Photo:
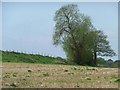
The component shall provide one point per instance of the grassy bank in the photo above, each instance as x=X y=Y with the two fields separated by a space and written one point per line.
x=30 y=58
x=18 y=57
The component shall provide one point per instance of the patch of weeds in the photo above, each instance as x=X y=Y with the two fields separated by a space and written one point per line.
x=77 y=86
x=88 y=78
x=6 y=76
x=38 y=70
x=87 y=68
x=60 y=81
x=46 y=74
x=70 y=73
x=98 y=76
x=118 y=80
x=66 y=70
x=40 y=82
x=8 y=61
x=94 y=69
x=81 y=70
x=75 y=68
x=105 y=77
x=7 y=84
x=7 y=73
x=13 y=85
x=24 y=79
x=28 y=75
x=29 y=70
x=82 y=81
x=14 y=74
x=45 y=86
x=114 y=76
x=110 y=81
x=27 y=67
x=39 y=75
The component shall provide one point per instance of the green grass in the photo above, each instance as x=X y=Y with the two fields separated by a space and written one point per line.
x=30 y=58
x=7 y=56
x=118 y=80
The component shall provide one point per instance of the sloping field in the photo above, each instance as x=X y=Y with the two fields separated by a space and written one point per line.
x=27 y=75
x=12 y=56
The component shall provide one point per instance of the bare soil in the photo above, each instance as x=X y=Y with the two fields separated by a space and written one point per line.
x=26 y=75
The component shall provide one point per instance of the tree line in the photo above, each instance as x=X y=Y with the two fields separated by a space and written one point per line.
x=81 y=41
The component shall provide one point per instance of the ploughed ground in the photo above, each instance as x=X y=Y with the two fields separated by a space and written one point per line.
x=28 y=75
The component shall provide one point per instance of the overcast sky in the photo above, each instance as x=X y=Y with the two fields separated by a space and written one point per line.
x=30 y=26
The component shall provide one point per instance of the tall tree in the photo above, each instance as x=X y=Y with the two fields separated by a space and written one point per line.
x=71 y=25
x=80 y=40
x=100 y=45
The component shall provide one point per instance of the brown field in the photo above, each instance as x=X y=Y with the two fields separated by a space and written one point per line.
x=24 y=75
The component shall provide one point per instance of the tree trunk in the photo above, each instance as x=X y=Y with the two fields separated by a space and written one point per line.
x=95 y=59
x=77 y=56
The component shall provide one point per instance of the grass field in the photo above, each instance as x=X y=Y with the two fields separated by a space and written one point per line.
x=27 y=75
x=18 y=57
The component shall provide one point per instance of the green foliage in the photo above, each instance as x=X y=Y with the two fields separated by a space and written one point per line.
x=13 y=85
x=107 y=63
x=16 y=57
x=62 y=18
x=88 y=78
x=29 y=70
x=118 y=81
x=101 y=44
x=80 y=40
x=29 y=58
x=32 y=58
x=101 y=61
x=65 y=70
x=46 y=74
x=14 y=74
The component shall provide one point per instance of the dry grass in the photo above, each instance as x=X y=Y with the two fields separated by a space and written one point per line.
x=57 y=76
